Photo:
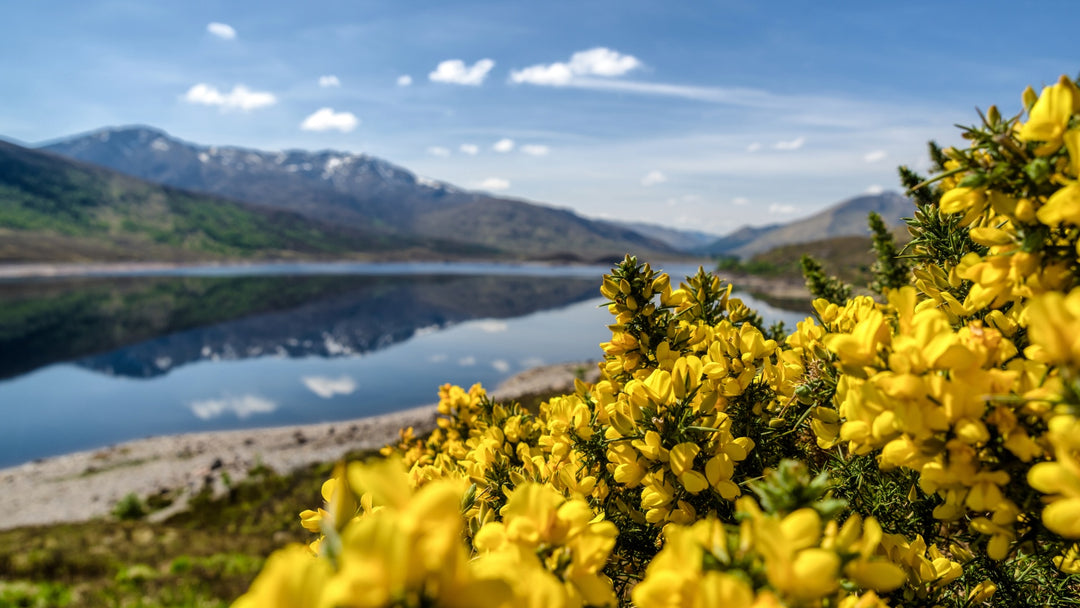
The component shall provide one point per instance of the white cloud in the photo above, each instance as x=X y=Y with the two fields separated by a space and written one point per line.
x=875 y=156
x=652 y=178
x=404 y=80
x=329 y=81
x=740 y=200
x=438 y=358
x=326 y=119
x=754 y=147
x=874 y=189
x=599 y=61
x=221 y=30
x=602 y=61
x=328 y=387
x=503 y=145
x=535 y=150
x=794 y=144
x=778 y=209
x=455 y=71
x=470 y=149
x=494 y=183
x=240 y=98
x=554 y=75
x=467 y=361
x=241 y=407
x=438 y=151
x=501 y=365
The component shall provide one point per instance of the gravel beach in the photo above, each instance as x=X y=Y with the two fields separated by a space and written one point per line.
x=86 y=485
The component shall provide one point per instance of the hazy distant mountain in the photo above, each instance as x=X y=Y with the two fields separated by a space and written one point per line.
x=354 y=190
x=681 y=240
x=56 y=209
x=846 y=218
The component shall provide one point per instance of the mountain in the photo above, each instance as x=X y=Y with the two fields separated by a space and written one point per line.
x=846 y=218
x=681 y=240
x=56 y=209
x=358 y=191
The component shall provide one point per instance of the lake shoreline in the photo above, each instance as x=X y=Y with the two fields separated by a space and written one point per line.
x=86 y=485
x=44 y=270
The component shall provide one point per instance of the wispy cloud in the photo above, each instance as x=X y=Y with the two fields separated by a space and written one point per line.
x=404 y=80
x=504 y=145
x=778 y=209
x=242 y=406
x=740 y=200
x=653 y=178
x=501 y=365
x=329 y=81
x=754 y=147
x=599 y=61
x=328 y=387
x=793 y=144
x=874 y=189
x=811 y=110
x=438 y=151
x=221 y=30
x=535 y=150
x=326 y=119
x=470 y=149
x=454 y=71
x=240 y=98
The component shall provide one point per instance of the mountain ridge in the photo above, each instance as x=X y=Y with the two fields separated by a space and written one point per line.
x=54 y=208
x=845 y=218
x=355 y=190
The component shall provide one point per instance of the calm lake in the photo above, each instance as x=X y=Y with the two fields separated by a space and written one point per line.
x=91 y=361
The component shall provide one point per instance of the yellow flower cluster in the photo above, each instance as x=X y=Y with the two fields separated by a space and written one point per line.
x=969 y=377
x=394 y=546
x=673 y=481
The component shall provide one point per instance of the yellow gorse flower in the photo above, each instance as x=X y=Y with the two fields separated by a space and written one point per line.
x=949 y=410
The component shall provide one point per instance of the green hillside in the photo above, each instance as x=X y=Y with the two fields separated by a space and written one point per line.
x=53 y=209
x=846 y=257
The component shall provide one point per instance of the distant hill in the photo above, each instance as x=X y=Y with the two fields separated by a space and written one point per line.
x=56 y=209
x=846 y=218
x=357 y=191
x=681 y=240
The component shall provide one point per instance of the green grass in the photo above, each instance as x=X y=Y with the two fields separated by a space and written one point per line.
x=205 y=556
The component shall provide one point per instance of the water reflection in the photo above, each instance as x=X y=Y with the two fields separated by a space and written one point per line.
x=89 y=362
x=146 y=327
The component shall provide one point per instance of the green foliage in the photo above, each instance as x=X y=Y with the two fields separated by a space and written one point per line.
x=130 y=507
x=21 y=594
x=889 y=270
x=822 y=285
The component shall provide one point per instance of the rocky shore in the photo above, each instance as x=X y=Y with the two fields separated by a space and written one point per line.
x=86 y=485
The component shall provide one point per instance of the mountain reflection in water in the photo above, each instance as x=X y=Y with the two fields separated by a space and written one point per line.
x=145 y=327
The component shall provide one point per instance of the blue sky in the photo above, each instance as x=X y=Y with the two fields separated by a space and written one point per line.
x=705 y=115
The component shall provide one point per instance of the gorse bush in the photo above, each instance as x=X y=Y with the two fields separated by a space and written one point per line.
x=918 y=450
